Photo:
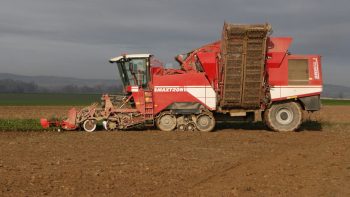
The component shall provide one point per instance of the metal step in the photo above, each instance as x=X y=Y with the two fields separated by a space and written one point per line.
x=149 y=109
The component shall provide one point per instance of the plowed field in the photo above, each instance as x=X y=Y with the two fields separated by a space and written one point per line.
x=236 y=160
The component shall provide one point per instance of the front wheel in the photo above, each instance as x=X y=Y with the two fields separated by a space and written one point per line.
x=283 y=117
x=89 y=125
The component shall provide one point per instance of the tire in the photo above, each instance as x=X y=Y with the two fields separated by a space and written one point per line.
x=166 y=122
x=205 y=122
x=283 y=117
x=89 y=125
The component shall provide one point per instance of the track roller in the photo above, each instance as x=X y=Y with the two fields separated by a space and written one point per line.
x=111 y=125
x=190 y=127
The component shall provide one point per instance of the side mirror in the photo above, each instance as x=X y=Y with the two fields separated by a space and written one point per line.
x=179 y=59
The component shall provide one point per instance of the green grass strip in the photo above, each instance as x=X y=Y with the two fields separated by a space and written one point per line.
x=335 y=102
x=20 y=125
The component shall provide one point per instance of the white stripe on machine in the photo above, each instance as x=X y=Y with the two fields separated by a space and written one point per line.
x=205 y=94
x=289 y=91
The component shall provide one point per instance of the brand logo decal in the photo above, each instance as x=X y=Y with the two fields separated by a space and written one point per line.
x=169 y=89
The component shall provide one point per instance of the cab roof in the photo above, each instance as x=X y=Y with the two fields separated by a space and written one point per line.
x=115 y=59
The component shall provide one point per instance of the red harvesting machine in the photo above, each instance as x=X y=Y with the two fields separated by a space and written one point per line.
x=247 y=75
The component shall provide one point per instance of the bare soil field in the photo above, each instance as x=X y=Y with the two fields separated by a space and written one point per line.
x=244 y=161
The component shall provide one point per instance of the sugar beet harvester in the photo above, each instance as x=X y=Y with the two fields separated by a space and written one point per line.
x=247 y=75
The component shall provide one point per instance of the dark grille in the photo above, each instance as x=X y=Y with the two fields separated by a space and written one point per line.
x=298 y=72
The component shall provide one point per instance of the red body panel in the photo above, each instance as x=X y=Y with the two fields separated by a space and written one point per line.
x=210 y=66
x=173 y=88
x=277 y=51
x=278 y=76
x=208 y=58
x=277 y=63
x=139 y=100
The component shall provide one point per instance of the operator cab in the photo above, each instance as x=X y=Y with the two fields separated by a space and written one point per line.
x=134 y=70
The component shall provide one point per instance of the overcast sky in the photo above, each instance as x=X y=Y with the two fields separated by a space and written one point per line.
x=76 y=38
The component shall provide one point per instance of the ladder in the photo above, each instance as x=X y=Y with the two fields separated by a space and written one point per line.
x=148 y=115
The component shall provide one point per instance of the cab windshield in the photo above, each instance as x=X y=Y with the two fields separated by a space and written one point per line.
x=134 y=72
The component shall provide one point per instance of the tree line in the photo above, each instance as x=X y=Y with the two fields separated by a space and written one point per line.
x=16 y=86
